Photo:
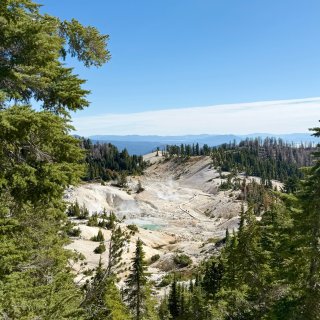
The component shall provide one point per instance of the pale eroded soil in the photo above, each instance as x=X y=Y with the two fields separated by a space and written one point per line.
x=181 y=201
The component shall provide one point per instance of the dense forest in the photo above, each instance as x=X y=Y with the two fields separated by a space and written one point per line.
x=187 y=150
x=105 y=162
x=269 y=269
x=270 y=159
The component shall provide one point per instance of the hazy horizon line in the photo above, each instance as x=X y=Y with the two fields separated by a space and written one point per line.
x=200 y=134
x=281 y=116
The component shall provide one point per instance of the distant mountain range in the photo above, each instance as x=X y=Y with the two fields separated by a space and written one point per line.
x=140 y=145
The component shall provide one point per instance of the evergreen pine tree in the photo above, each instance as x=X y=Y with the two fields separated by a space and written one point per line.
x=38 y=157
x=213 y=273
x=116 y=245
x=174 y=299
x=137 y=292
x=164 y=313
x=307 y=233
x=103 y=300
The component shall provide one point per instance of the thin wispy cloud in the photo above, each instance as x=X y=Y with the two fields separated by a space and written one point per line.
x=284 y=116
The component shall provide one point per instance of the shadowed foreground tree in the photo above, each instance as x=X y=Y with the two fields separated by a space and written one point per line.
x=102 y=298
x=31 y=47
x=307 y=231
x=138 y=292
x=39 y=158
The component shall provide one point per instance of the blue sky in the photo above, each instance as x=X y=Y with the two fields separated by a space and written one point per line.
x=170 y=54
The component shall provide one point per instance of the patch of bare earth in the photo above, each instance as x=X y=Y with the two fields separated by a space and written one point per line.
x=180 y=210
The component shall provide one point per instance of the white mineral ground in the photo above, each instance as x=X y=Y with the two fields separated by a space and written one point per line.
x=180 y=210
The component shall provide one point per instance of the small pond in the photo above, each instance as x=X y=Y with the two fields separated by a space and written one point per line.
x=145 y=224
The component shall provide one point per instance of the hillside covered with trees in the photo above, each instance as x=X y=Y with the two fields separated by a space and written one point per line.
x=104 y=161
x=270 y=158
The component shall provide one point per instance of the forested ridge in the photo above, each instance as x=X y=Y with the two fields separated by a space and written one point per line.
x=269 y=159
x=269 y=269
x=104 y=161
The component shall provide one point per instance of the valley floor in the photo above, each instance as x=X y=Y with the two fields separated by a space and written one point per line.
x=180 y=210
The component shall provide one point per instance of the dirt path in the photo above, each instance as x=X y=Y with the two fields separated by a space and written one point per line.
x=191 y=212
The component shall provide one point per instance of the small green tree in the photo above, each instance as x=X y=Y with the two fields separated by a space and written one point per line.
x=102 y=295
x=174 y=299
x=116 y=244
x=137 y=292
x=111 y=221
x=212 y=279
x=122 y=179
x=164 y=313
x=103 y=299
x=99 y=237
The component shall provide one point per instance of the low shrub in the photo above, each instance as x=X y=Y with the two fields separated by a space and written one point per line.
x=182 y=260
x=100 y=249
x=75 y=232
x=133 y=228
x=155 y=258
